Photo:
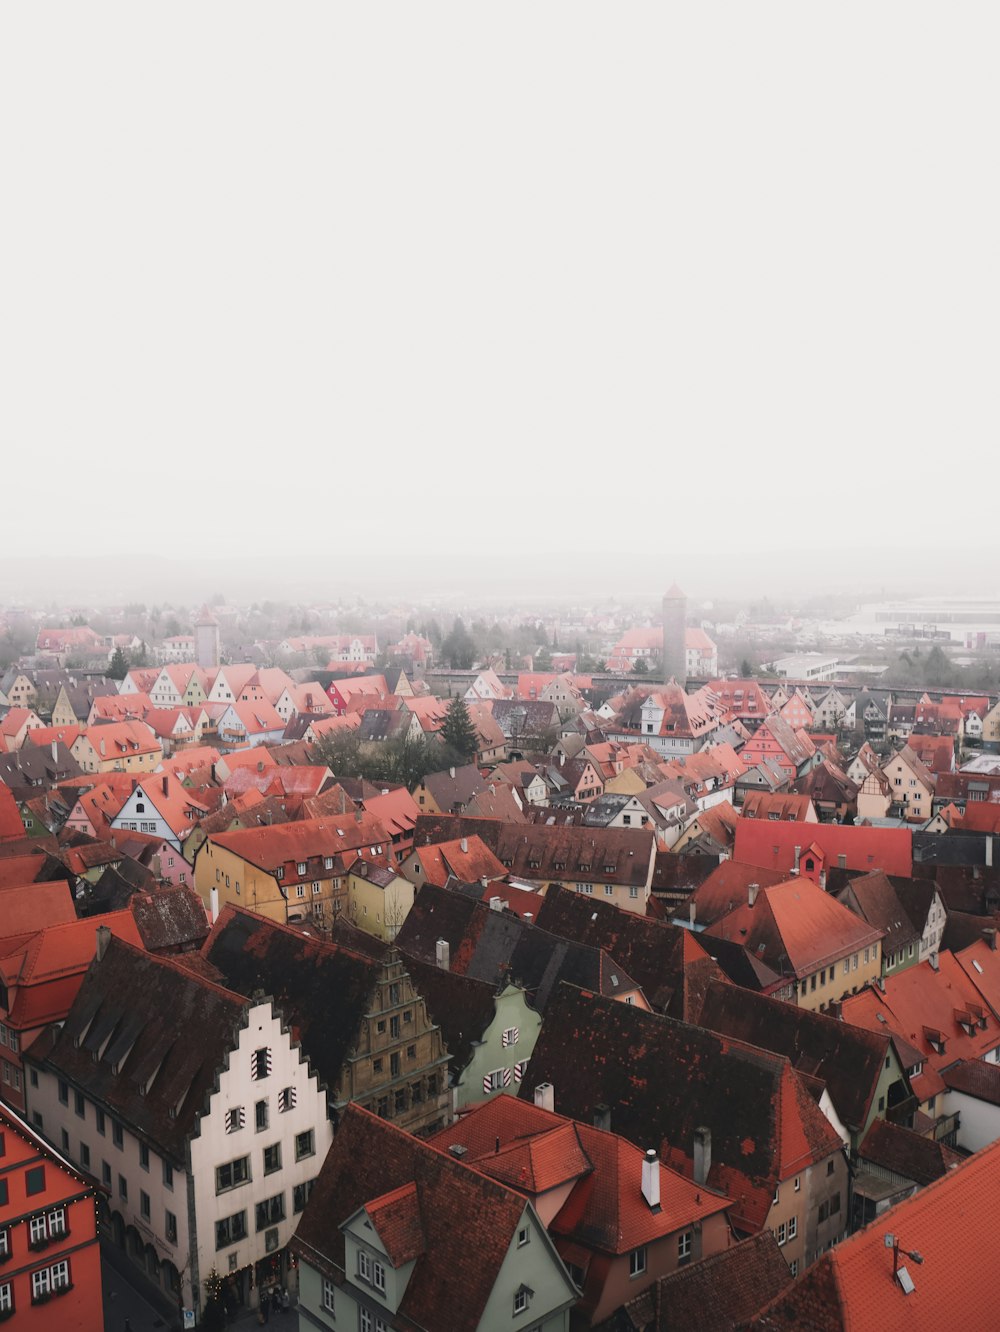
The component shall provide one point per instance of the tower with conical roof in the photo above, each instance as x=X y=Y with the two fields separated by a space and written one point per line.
x=206 y=640
x=674 y=652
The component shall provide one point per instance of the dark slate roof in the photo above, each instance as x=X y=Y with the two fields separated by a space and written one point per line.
x=468 y=1221
x=848 y=1059
x=742 y=966
x=907 y=1153
x=678 y=876
x=523 y=720
x=543 y=852
x=667 y=961
x=454 y=787
x=462 y=1007
x=144 y=1011
x=664 y=1079
x=976 y=1078
x=31 y=769
x=874 y=898
x=716 y=1295
x=499 y=946
x=321 y=989
x=170 y=918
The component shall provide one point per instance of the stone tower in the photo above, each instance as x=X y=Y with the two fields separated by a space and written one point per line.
x=674 y=653
x=206 y=640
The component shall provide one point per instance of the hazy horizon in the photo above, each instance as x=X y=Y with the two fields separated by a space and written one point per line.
x=565 y=297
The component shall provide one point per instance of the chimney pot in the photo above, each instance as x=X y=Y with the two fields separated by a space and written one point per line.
x=545 y=1096
x=651 y=1179
x=702 y=1154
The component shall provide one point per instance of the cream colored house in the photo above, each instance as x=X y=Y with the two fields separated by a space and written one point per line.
x=378 y=899
x=991 y=726
x=128 y=746
x=911 y=785
x=874 y=796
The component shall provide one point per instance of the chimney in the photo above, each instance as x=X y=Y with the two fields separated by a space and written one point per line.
x=451 y=772
x=213 y=774
x=990 y=935
x=989 y=852
x=702 y=1154
x=602 y=1118
x=103 y=939
x=465 y=846
x=822 y=879
x=752 y=890
x=795 y=866
x=495 y=904
x=651 y=1179
x=55 y=751
x=165 y=788
x=545 y=1096
x=215 y=905
x=692 y=913
x=528 y=918
x=442 y=954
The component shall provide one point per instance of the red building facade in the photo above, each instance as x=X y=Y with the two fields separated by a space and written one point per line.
x=50 y=1260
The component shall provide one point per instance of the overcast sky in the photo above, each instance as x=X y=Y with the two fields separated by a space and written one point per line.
x=704 y=287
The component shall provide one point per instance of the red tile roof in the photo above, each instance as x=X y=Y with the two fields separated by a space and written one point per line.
x=269 y=847
x=11 y=826
x=923 y=1005
x=795 y=927
x=951 y=1224
x=772 y=845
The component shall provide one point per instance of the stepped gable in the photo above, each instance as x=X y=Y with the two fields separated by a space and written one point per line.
x=322 y=990
x=127 y=1041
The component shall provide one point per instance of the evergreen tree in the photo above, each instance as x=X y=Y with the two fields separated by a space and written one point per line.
x=118 y=666
x=457 y=731
x=458 y=649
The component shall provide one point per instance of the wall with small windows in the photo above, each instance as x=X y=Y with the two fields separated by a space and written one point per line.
x=50 y=1267
x=258 y=1148
x=146 y=1189
x=498 y=1064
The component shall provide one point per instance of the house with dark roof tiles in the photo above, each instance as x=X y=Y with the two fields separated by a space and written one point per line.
x=400 y=1233
x=206 y=1147
x=727 y=1115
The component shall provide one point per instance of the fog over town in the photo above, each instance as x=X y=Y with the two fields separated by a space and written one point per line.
x=499 y=667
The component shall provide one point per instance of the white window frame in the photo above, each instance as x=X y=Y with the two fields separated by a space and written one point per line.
x=637 y=1261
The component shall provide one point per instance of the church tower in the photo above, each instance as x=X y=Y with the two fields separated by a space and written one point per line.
x=674 y=652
